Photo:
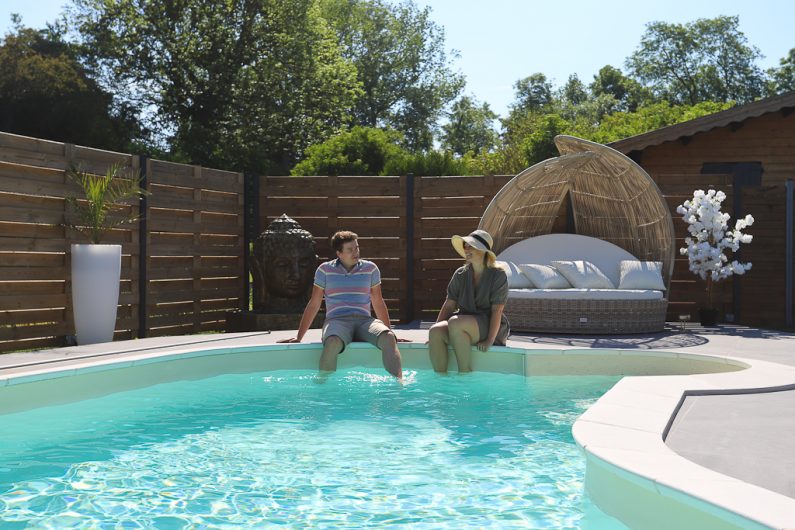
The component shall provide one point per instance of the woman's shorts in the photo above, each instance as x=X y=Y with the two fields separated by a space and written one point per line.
x=483 y=328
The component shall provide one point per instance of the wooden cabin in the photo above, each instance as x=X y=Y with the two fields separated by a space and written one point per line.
x=748 y=152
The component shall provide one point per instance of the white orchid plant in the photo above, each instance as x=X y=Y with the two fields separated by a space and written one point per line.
x=710 y=238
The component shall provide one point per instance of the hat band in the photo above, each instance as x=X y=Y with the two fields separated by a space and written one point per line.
x=488 y=247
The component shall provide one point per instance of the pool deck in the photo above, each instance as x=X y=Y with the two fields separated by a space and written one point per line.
x=747 y=436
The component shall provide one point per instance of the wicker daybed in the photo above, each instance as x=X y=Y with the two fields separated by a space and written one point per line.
x=578 y=310
x=594 y=191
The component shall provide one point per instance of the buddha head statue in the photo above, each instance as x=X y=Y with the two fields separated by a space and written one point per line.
x=284 y=267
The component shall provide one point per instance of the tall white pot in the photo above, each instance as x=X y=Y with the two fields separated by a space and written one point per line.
x=96 y=270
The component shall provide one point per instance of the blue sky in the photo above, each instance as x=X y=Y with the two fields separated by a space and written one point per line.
x=501 y=41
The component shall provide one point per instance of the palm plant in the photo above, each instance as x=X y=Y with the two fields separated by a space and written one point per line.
x=101 y=197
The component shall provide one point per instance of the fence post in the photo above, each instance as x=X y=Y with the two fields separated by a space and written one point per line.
x=250 y=228
x=744 y=174
x=410 y=247
x=788 y=254
x=143 y=252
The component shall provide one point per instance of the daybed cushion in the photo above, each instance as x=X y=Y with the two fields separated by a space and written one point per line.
x=583 y=274
x=544 y=276
x=558 y=247
x=516 y=280
x=587 y=294
x=641 y=275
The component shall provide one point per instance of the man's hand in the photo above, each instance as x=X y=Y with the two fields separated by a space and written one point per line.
x=398 y=339
x=290 y=340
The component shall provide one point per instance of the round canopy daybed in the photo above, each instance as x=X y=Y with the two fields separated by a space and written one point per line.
x=591 y=190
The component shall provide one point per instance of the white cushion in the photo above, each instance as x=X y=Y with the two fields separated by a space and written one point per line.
x=587 y=294
x=544 y=276
x=641 y=275
x=516 y=280
x=551 y=247
x=583 y=274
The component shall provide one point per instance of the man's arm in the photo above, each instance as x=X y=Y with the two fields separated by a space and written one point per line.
x=379 y=306
x=310 y=312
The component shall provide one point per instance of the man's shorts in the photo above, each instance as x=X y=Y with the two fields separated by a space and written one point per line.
x=351 y=328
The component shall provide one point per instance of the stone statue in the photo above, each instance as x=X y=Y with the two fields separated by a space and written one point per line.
x=284 y=267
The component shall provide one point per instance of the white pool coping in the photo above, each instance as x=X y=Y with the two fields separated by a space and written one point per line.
x=629 y=466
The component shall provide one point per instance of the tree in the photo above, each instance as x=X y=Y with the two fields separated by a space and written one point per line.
x=534 y=96
x=427 y=164
x=401 y=63
x=244 y=84
x=470 y=127
x=45 y=92
x=705 y=60
x=574 y=91
x=625 y=124
x=360 y=151
x=627 y=92
x=783 y=78
x=532 y=93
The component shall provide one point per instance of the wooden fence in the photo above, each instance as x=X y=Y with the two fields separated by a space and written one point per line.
x=189 y=260
x=188 y=252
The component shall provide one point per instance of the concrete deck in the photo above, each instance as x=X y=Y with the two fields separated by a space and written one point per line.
x=747 y=436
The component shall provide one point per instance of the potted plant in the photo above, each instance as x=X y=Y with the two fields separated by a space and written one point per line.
x=710 y=238
x=96 y=268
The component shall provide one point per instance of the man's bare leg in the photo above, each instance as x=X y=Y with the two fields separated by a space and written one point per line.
x=332 y=347
x=390 y=354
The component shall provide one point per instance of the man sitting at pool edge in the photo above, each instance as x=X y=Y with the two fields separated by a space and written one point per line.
x=350 y=285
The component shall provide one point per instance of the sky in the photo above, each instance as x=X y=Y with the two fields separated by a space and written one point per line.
x=501 y=41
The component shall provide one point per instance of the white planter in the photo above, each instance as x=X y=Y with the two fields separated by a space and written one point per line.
x=96 y=270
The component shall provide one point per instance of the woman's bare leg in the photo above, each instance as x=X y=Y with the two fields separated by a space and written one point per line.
x=464 y=332
x=438 y=339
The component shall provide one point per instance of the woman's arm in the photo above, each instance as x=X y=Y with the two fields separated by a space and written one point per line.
x=448 y=308
x=494 y=327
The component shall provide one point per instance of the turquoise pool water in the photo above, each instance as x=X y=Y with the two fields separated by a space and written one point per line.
x=286 y=448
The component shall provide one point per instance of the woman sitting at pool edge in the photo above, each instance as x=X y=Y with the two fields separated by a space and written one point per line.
x=473 y=310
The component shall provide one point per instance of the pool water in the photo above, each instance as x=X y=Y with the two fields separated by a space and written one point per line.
x=288 y=448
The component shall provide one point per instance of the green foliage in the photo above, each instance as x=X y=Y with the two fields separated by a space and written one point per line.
x=360 y=151
x=45 y=92
x=401 y=63
x=627 y=92
x=533 y=93
x=574 y=91
x=469 y=129
x=705 y=60
x=427 y=164
x=100 y=197
x=625 y=124
x=244 y=85
x=782 y=79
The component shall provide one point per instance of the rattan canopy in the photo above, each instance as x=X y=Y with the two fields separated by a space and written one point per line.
x=610 y=196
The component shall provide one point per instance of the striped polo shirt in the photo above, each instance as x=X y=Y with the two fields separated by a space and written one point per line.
x=347 y=293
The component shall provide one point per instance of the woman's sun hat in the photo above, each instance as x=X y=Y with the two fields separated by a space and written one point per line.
x=479 y=239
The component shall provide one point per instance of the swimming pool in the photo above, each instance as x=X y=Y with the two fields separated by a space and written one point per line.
x=288 y=448
x=630 y=472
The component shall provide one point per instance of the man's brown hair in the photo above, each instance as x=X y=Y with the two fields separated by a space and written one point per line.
x=342 y=237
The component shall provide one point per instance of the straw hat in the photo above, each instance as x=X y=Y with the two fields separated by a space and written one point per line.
x=479 y=239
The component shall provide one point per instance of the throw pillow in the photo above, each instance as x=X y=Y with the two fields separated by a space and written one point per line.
x=641 y=275
x=544 y=276
x=583 y=274
x=516 y=280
